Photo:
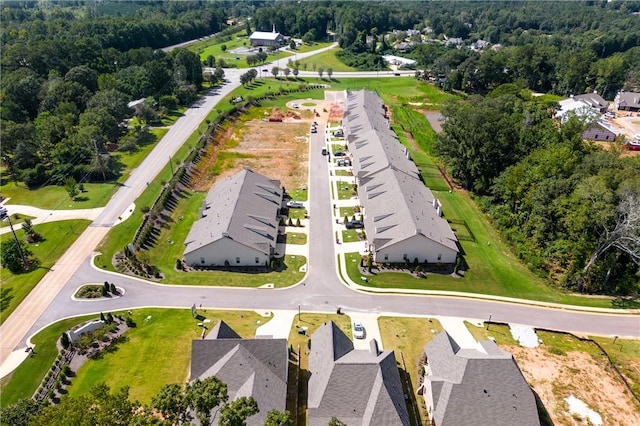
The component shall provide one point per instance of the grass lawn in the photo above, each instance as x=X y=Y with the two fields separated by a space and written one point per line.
x=296 y=238
x=408 y=336
x=350 y=236
x=347 y=211
x=58 y=237
x=500 y=333
x=296 y=340
x=345 y=190
x=25 y=379
x=311 y=47
x=214 y=48
x=625 y=354
x=157 y=351
x=53 y=197
x=342 y=173
x=324 y=60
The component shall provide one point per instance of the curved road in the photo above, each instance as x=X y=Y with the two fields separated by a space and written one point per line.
x=322 y=290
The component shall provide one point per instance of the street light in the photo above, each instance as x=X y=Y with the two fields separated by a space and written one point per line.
x=489 y=321
x=298 y=312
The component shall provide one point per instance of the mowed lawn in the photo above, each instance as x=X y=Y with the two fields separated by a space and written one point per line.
x=58 y=238
x=324 y=60
x=25 y=379
x=157 y=351
x=95 y=194
x=407 y=337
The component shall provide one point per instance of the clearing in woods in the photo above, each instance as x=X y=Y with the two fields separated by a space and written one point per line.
x=279 y=150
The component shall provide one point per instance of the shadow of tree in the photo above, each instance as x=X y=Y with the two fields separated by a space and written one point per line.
x=5 y=298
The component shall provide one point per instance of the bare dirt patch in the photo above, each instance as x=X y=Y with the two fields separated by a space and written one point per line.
x=587 y=377
x=279 y=150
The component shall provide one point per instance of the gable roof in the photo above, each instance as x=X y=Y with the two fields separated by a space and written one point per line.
x=249 y=367
x=265 y=35
x=222 y=331
x=359 y=387
x=628 y=99
x=483 y=385
x=397 y=203
x=593 y=100
x=243 y=207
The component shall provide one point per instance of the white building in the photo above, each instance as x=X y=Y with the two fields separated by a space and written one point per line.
x=238 y=223
x=403 y=220
x=264 y=38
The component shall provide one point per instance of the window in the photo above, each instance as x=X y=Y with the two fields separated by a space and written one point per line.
x=404 y=256
x=439 y=257
x=202 y=260
x=237 y=260
x=257 y=260
x=386 y=256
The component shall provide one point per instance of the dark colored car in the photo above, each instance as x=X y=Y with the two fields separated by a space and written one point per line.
x=339 y=154
x=353 y=224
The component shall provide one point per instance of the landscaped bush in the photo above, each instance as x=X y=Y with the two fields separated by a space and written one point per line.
x=90 y=292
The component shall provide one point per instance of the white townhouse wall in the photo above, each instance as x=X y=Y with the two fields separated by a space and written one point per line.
x=403 y=220
x=238 y=222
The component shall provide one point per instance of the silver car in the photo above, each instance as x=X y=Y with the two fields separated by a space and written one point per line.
x=358 y=330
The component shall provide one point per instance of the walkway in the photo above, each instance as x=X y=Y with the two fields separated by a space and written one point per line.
x=45 y=216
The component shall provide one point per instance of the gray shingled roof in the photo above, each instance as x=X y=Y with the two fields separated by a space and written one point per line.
x=593 y=100
x=249 y=367
x=243 y=207
x=359 y=387
x=398 y=205
x=629 y=99
x=477 y=387
x=222 y=331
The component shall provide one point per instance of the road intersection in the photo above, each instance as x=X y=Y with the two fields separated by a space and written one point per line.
x=323 y=288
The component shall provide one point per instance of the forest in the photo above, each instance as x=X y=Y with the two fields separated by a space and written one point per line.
x=570 y=209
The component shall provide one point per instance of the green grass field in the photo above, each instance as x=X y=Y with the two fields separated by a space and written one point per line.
x=409 y=336
x=25 y=379
x=325 y=60
x=58 y=238
x=53 y=197
x=157 y=351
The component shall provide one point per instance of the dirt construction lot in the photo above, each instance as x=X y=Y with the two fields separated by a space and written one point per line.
x=279 y=150
x=585 y=376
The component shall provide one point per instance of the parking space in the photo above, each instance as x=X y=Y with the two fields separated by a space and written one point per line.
x=371 y=330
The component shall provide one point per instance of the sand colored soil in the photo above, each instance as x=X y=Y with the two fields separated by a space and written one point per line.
x=279 y=150
x=587 y=377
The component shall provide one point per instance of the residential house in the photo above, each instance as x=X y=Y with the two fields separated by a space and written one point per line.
x=359 y=387
x=265 y=38
x=627 y=101
x=238 y=222
x=403 y=219
x=468 y=387
x=599 y=133
x=255 y=368
x=594 y=101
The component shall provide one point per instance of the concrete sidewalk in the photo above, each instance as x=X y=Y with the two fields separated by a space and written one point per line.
x=46 y=216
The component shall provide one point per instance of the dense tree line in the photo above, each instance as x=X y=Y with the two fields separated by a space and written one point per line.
x=70 y=70
x=173 y=405
x=570 y=209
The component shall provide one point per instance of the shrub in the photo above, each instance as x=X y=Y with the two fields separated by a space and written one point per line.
x=130 y=322
x=64 y=340
x=556 y=351
x=290 y=222
x=114 y=290
x=298 y=222
x=66 y=370
x=51 y=394
x=178 y=264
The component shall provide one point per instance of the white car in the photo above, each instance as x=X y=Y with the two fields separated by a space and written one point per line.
x=295 y=105
x=295 y=204
x=358 y=330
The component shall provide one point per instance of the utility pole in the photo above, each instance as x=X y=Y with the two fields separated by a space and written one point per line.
x=15 y=238
x=171 y=164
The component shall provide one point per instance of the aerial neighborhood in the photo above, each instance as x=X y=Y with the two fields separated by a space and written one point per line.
x=320 y=213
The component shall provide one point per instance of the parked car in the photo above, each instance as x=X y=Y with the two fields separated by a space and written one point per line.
x=339 y=154
x=3 y=213
x=295 y=204
x=341 y=163
x=338 y=133
x=353 y=224
x=294 y=105
x=324 y=151
x=358 y=330
x=610 y=114
x=314 y=130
